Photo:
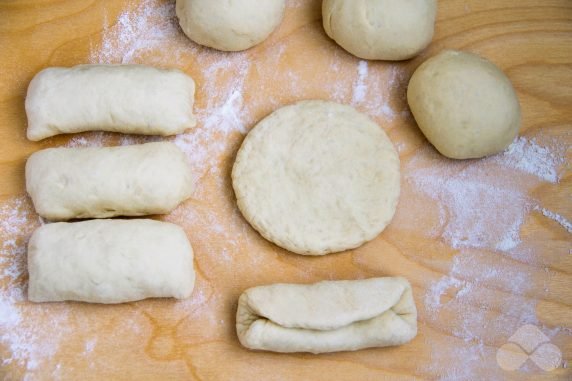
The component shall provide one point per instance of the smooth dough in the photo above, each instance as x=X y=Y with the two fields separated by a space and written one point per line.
x=67 y=183
x=329 y=316
x=132 y=99
x=109 y=261
x=380 y=29
x=464 y=104
x=229 y=25
x=317 y=177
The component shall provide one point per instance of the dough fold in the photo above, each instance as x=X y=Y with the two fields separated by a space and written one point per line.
x=133 y=99
x=329 y=316
x=109 y=261
x=97 y=182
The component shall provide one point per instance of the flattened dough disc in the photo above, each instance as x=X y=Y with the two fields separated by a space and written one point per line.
x=317 y=177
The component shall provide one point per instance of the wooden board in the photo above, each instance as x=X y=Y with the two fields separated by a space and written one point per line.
x=486 y=243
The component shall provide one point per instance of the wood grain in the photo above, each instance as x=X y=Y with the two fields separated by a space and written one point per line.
x=163 y=339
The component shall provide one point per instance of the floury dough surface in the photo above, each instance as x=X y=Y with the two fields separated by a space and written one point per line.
x=329 y=316
x=317 y=177
x=66 y=183
x=464 y=104
x=380 y=29
x=229 y=25
x=133 y=99
x=109 y=261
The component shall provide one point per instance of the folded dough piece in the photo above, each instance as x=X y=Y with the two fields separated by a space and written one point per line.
x=133 y=99
x=99 y=182
x=329 y=316
x=109 y=261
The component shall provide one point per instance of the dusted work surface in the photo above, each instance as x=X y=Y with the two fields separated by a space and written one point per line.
x=486 y=243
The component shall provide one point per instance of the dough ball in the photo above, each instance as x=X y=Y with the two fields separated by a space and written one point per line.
x=229 y=25
x=464 y=104
x=380 y=29
x=317 y=177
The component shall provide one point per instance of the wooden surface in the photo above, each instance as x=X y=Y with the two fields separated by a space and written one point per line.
x=195 y=339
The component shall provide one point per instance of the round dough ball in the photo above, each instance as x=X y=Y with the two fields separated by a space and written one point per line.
x=464 y=104
x=380 y=29
x=317 y=177
x=229 y=25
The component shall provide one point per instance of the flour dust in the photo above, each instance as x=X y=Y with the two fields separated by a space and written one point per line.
x=483 y=205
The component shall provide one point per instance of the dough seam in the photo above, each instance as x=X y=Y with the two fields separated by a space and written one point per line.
x=328 y=316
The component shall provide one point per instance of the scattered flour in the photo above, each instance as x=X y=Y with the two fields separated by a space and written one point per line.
x=528 y=156
x=95 y=140
x=360 y=86
x=483 y=205
x=224 y=113
x=90 y=346
x=468 y=202
x=28 y=342
x=555 y=217
x=484 y=304
x=371 y=90
x=143 y=28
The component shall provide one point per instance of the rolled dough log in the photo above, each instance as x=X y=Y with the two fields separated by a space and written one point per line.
x=328 y=316
x=109 y=261
x=67 y=183
x=133 y=99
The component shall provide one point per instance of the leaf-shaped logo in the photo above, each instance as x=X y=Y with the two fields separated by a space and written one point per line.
x=528 y=342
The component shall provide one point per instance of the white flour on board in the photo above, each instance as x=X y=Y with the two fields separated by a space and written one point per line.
x=483 y=206
x=470 y=196
x=145 y=27
x=360 y=87
x=370 y=91
x=555 y=217
x=95 y=140
x=532 y=158
x=28 y=342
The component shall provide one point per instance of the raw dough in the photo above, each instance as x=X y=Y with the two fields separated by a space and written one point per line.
x=328 y=316
x=67 y=183
x=464 y=104
x=133 y=99
x=229 y=25
x=109 y=261
x=317 y=177
x=380 y=29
